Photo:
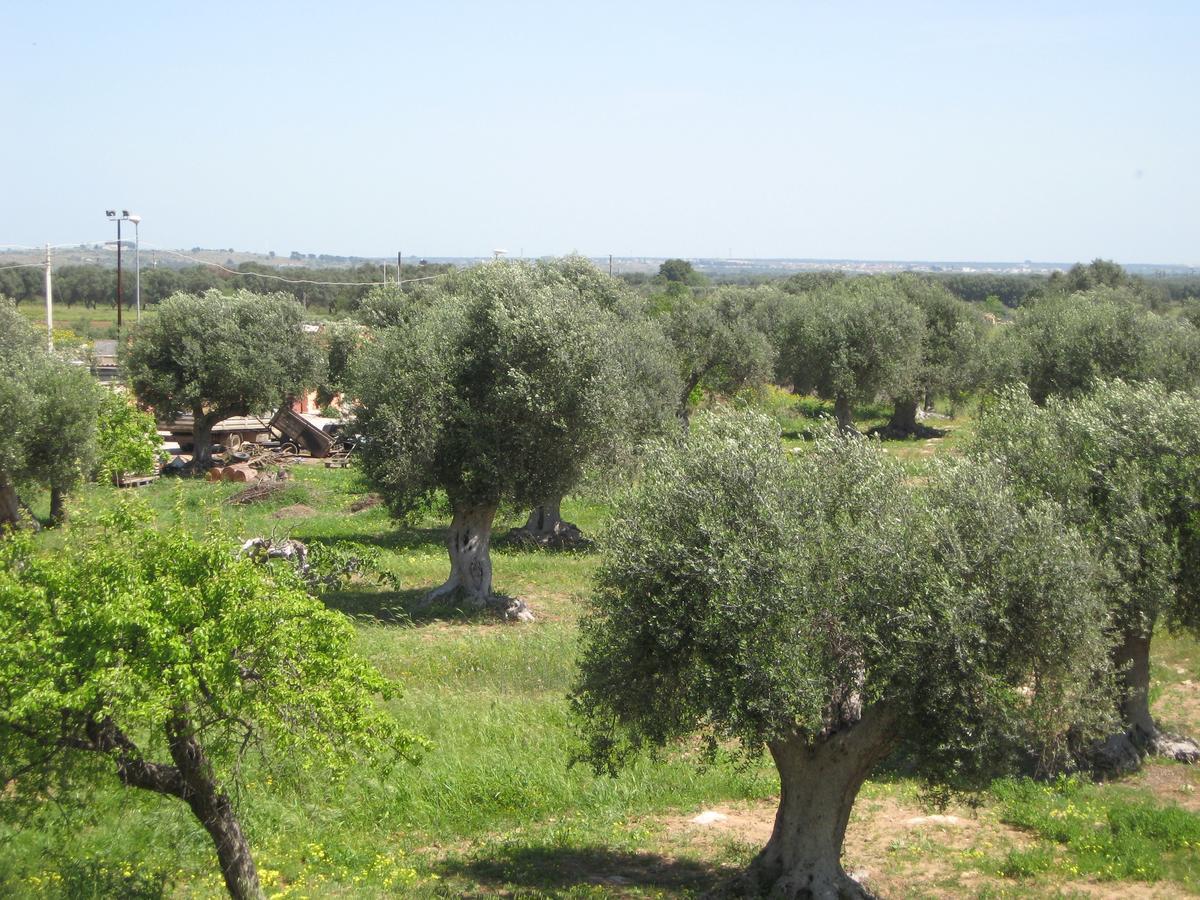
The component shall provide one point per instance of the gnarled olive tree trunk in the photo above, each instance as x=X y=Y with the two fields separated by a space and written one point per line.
x=819 y=781
x=202 y=446
x=58 y=505
x=904 y=417
x=547 y=528
x=843 y=413
x=10 y=503
x=469 y=543
x=685 y=413
x=1132 y=658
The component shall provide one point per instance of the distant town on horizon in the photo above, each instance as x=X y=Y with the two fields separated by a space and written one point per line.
x=105 y=255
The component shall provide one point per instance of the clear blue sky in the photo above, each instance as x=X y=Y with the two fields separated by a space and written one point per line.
x=990 y=131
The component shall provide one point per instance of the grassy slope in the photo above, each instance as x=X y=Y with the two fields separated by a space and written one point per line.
x=496 y=807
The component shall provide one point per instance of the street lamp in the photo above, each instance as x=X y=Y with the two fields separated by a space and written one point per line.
x=126 y=217
x=137 y=264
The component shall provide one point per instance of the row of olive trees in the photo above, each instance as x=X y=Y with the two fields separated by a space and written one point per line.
x=906 y=339
x=503 y=384
x=825 y=608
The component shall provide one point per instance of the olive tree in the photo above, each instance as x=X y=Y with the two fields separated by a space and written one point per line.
x=48 y=408
x=495 y=392
x=828 y=610
x=643 y=402
x=1124 y=462
x=719 y=342
x=61 y=447
x=218 y=355
x=951 y=345
x=852 y=342
x=162 y=660
x=1062 y=343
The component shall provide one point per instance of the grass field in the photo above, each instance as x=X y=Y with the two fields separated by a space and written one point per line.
x=496 y=808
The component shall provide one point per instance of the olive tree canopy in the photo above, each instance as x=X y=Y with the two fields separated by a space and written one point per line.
x=852 y=342
x=497 y=390
x=644 y=401
x=218 y=355
x=1124 y=464
x=951 y=352
x=719 y=340
x=1063 y=343
x=826 y=609
x=48 y=407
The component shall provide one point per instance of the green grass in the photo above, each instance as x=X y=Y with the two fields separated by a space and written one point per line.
x=1106 y=832
x=491 y=698
x=799 y=418
x=496 y=805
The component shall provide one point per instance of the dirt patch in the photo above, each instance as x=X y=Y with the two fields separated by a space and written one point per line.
x=363 y=503
x=295 y=511
x=1178 y=707
x=900 y=849
x=256 y=493
x=1169 y=783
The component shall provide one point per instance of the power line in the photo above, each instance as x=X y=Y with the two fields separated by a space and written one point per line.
x=291 y=280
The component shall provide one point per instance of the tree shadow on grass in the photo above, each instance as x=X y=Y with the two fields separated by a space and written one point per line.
x=397 y=540
x=560 y=868
x=405 y=607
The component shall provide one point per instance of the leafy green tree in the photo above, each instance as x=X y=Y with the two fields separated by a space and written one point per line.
x=719 y=342
x=127 y=438
x=496 y=393
x=163 y=660
x=1097 y=273
x=1063 y=343
x=809 y=282
x=340 y=340
x=1124 y=463
x=61 y=447
x=951 y=345
x=853 y=342
x=679 y=270
x=220 y=355
x=48 y=407
x=828 y=610
x=18 y=345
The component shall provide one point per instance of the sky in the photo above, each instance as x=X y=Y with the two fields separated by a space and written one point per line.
x=909 y=131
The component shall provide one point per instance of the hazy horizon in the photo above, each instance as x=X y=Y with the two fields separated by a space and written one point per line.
x=933 y=132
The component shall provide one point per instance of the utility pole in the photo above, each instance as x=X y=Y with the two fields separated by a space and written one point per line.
x=49 y=305
x=399 y=267
x=119 y=292
x=610 y=265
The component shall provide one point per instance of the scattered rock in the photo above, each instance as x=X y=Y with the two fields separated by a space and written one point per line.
x=562 y=536
x=512 y=609
x=1175 y=747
